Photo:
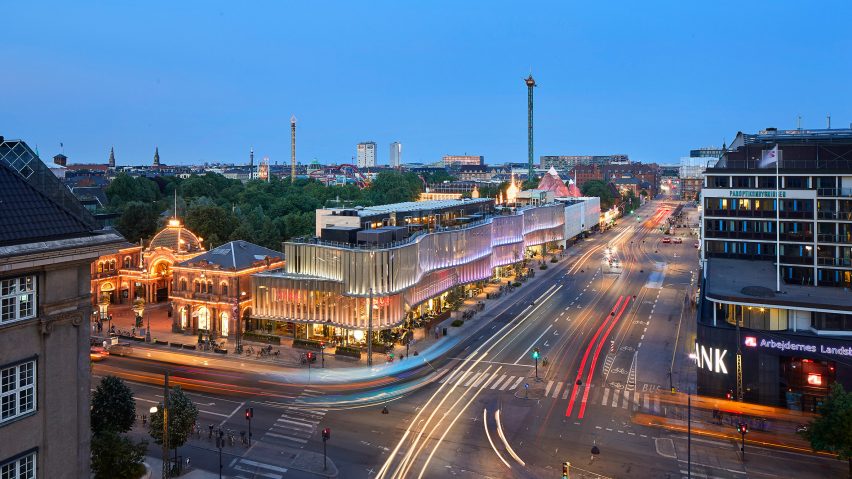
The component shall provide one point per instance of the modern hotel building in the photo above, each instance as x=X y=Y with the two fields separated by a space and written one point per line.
x=400 y=258
x=791 y=320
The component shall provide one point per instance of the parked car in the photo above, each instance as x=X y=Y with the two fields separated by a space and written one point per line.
x=678 y=240
x=696 y=244
x=667 y=240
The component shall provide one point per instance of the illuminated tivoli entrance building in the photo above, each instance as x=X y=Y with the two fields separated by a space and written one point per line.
x=404 y=259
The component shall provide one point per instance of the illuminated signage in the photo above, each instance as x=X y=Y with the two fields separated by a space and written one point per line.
x=711 y=359
x=814 y=379
x=751 y=341
x=756 y=194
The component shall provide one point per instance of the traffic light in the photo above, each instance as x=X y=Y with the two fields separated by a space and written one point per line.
x=249 y=413
x=326 y=434
x=536 y=353
x=742 y=428
x=729 y=395
x=310 y=356
x=565 y=466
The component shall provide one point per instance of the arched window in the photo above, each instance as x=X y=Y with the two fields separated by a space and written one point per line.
x=210 y=287
x=127 y=262
x=183 y=284
x=197 y=286
x=224 y=289
x=100 y=266
x=112 y=265
x=203 y=318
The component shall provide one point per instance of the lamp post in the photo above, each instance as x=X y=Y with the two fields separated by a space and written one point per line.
x=139 y=309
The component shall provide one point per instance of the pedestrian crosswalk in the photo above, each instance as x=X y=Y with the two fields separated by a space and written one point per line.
x=253 y=469
x=556 y=390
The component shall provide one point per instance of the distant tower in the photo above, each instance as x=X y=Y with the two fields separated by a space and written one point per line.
x=263 y=171
x=530 y=85
x=111 y=161
x=293 y=149
x=251 y=163
x=395 y=154
x=156 y=157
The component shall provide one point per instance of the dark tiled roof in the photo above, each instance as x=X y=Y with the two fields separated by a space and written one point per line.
x=27 y=215
x=235 y=256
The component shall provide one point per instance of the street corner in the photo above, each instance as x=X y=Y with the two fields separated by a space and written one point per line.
x=314 y=463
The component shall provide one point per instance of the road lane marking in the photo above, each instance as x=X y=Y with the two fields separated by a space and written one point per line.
x=615 y=395
x=288 y=438
x=297 y=423
x=624 y=400
x=647 y=406
x=636 y=400
x=605 y=397
x=481 y=378
x=515 y=386
x=497 y=382
x=547 y=388
x=470 y=381
x=556 y=389
x=567 y=391
x=524 y=354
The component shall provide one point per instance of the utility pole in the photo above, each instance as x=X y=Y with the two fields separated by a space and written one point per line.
x=249 y=415
x=220 y=443
x=239 y=320
x=530 y=85
x=166 y=468
x=370 y=331
x=326 y=435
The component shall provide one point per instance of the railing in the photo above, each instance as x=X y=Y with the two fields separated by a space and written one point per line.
x=834 y=215
x=840 y=262
x=809 y=260
x=836 y=192
x=831 y=238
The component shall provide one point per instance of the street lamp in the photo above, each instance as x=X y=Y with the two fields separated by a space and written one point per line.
x=103 y=305
x=139 y=309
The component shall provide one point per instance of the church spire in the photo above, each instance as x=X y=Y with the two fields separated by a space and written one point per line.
x=156 y=157
x=111 y=161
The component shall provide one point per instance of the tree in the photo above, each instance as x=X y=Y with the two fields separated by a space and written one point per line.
x=832 y=430
x=598 y=188
x=113 y=406
x=137 y=220
x=116 y=456
x=182 y=417
x=211 y=222
x=437 y=175
x=394 y=187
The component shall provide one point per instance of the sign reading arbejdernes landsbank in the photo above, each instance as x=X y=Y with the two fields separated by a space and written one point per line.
x=756 y=194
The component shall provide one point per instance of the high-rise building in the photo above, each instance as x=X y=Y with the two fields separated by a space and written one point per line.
x=366 y=154
x=565 y=163
x=395 y=154
x=46 y=249
x=777 y=268
x=463 y=160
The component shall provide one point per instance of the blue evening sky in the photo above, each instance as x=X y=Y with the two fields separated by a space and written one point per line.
x=206 y=80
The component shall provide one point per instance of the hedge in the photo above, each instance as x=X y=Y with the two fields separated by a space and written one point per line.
x=307 y=344
x=347 y=351
x=457 y=323
x=262 y=338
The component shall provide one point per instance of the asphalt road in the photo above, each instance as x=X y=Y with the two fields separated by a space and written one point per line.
x=609 y=336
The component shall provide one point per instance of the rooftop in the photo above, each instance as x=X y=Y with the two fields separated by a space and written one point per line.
x=754 y=282
x=235 y=256
x=409 y=206
x=771 y=135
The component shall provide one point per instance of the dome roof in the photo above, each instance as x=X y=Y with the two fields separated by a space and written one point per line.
x=176 y=238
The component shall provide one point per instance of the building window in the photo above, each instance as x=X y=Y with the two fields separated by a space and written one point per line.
x=183 y=284
x=127 y=262
x=17 y=298
x=224 y=288
x=20 y=468
x=17 y=390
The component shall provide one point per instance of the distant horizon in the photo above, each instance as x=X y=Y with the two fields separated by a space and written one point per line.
x=206 y=82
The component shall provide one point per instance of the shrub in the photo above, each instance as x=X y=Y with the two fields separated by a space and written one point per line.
x=347 y=351
x=543 y=266
x=516 y=284
x=553 y=260
x=117 y=456
x=307 y=344
x=457 y=323
x=262 y=338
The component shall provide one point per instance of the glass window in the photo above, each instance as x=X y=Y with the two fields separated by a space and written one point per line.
x=17 y=299
x=17 y=391
x=21 y=468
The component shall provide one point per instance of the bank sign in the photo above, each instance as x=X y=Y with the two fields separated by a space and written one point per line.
x=794 y=346
x=756 y=194
x=711 y=359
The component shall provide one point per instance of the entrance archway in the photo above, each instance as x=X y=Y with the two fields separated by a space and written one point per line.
x=184 y=317
x=204 y=318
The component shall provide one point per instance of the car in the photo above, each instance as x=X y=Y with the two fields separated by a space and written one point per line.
x=667 y=240
x=98 y=353
x=678 y=240
x=696 y=244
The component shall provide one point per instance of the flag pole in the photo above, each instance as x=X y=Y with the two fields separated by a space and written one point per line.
x=777 y=222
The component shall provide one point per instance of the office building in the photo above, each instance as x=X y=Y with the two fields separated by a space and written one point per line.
x=565 y=163
x=366 y=157
x=463 y=160
x=395 y=159
x=691 y=170
x=47 y=243
x=777 y=268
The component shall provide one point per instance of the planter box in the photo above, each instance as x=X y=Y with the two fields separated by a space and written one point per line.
x=262 y=338
x=157 y=341
x=306 y=344
x=220 y=351
x=176 y=345
x=348 y=352
x=190 y=346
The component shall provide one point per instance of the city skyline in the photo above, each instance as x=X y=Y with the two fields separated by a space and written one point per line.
x=206 y=85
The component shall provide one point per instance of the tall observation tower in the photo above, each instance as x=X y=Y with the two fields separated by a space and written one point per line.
x=530 y=85
x=293 y=149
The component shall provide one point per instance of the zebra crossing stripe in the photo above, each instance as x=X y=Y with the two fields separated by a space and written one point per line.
x=556 y=390
x=472 y=379
x=624 y=399
x=615 y=395
x=566 y=393
x=635 y=400
x=482 y=378
x=605 y=396
x=547 y=389
x=450 y=377
x=497 y=382
x=657 y=405
x=288 y=438
x=507 y=383
x=515 y=386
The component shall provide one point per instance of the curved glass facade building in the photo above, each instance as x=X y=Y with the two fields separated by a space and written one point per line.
x=331 y=283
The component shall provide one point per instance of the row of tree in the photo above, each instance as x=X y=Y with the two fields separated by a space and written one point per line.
x=263 y=212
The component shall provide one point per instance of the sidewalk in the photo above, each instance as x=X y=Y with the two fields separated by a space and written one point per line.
x=287 y=367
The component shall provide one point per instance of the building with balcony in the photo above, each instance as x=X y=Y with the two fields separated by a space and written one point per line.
x=211 y=292
x=47 y=243
x=394 y=263
x=778 y=265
